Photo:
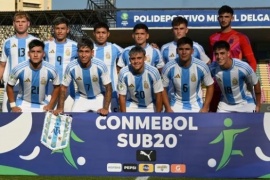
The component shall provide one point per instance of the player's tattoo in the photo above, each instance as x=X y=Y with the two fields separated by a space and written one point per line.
x=62 y=97
x=108 y=95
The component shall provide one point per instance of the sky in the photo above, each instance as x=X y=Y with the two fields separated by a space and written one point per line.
x=82 y=4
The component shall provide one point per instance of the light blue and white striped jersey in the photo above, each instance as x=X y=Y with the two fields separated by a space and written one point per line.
x=60 y=54
x=236 y=83
x=169 y=52
x=33 y=83
x=140 y=89
x=153 y=57
x=109 y=55
x=14 y=51
x=187 y=81
x=91 y=80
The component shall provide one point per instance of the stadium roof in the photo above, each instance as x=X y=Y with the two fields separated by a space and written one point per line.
x=85 y=17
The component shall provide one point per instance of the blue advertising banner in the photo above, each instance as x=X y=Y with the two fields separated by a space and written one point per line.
x=141 y=144
x=195 y=17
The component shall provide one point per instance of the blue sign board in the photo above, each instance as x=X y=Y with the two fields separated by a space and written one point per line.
x=141 y=144
x=195 y=17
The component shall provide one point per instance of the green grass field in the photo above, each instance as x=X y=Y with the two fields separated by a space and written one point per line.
x=98 y=178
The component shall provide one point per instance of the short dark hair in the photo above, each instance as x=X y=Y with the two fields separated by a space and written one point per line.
x=184 y=40
x=35 y=43
x=85 y=42
x=225 y=9
x=221 y=45
x=60 y=20
x=136 y=49
x=101 y=25
x=140 y=26
x=179 y=20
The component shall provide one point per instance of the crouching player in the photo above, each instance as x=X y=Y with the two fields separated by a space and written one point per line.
x=93 y=80
x=139 y=85
x=34 y=76
x=239 y=84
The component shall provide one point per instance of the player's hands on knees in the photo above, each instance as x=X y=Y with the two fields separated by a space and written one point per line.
x=57 y=112
x=103 y=112
x=16 y=109
x=257 y=109
x=168 y=110
x=46 y=108
x=204 y=110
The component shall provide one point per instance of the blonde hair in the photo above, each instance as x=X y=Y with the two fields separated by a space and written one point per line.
x=21 y=15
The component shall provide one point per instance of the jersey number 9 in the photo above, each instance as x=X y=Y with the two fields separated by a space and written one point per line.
x=59 y=59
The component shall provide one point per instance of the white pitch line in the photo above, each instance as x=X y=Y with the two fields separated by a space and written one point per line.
x=142 y=178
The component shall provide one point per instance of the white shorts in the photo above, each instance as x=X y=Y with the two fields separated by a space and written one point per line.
x=180 y=107
x=30 y=107
x=133 y=107
x=82 y=104
x=67 y=104
x=242 y=107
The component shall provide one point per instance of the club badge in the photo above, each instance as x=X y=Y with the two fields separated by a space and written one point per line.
x=193 y=77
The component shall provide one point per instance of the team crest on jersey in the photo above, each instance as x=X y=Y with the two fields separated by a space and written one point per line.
x=67 y=52
x=234 y=81
x=108 y=55
x=177 y=76
x=120 y=87
x=193 y=77
x=79 y=78
x=146 y=85
x=11 y=77
x=131 y=86
x=14 y=45
x=94 y=79
x=43 y=81
x=218 y=79
x=52 y=51
x=147 y=58
x=27 y=80
x=172 y=55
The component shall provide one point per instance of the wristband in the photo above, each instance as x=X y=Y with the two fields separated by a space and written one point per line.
x=13 y=104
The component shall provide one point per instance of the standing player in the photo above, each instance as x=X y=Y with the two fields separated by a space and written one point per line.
x=34 y=76
x=93 y=80
x=239 y=45
x=180 y=29
x=153 y=55
x=109 y=53
x=187 y=74
x=139 y=85
x=61 y=51
x=236 y=80
x=15 y=50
